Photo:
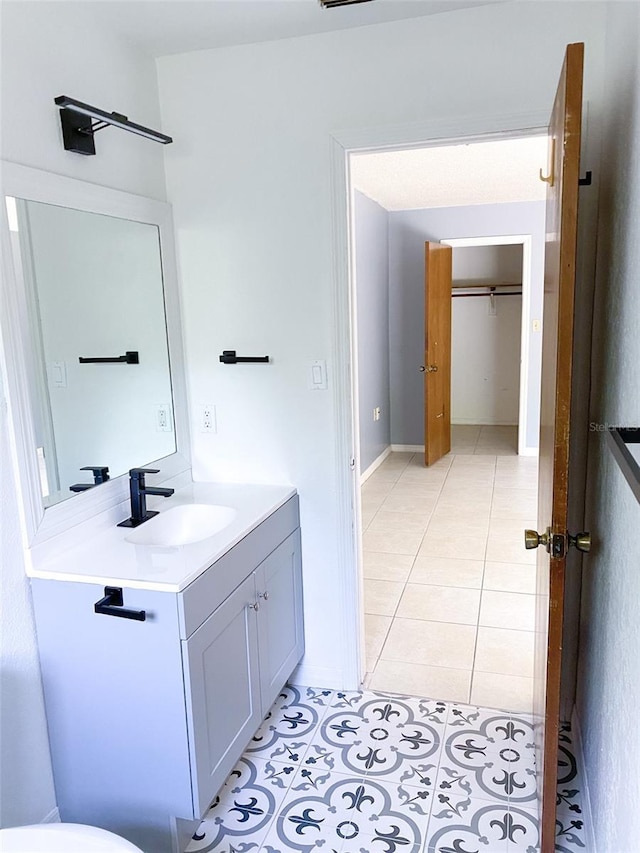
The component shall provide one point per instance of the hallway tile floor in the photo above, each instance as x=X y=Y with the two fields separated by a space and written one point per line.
x=449 y=587
x=366 y=772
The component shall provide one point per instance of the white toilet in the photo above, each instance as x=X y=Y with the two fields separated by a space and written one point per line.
x=63 y=838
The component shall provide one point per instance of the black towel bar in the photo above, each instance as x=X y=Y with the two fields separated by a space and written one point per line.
x=130 y=357
x=229 y=357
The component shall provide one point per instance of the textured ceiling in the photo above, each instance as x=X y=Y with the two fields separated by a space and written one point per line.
x=478 y=173
x=163 y=27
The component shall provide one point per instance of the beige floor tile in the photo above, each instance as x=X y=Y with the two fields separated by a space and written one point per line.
x=366 y=517
x=376 y=629
x=503 y=651
x=407 y=522
x=473 y=512
x=505 y=543
x=463 y=523
x=386 y=567
x=443 y=571
x=505 y=692
x=472 y=477
x=465 y=431
x=515 y=479
x=383 y=475
x=460 y=449
x=506 y=501
x=430 y=682
x=467 y=500
x=372 y=500
x=392 y=542
x=525 y=497
x=381 y=597
x=454 y=545
x=375 y=491
x=395 y=462
x=456 y=605
x=430 y=643
x=507 y=610
x=416 y=501
x=510 y=577
x=472 y=462
x=494 y=450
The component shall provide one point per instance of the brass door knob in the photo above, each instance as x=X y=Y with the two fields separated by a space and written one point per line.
x=581 y=541
x=432 y=368
x=532 y=539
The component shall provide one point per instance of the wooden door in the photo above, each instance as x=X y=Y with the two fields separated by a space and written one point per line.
x=437 y=351
x=557 y=351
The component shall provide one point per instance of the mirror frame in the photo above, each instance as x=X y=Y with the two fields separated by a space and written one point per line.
x=23 y=182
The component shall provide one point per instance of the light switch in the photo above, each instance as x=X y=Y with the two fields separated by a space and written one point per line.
x=318 y=375
x=536 y=325
x=59 y=374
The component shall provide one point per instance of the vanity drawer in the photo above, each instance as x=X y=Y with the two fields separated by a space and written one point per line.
x=207 y=592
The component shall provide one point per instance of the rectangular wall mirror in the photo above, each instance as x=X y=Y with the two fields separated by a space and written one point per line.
x=95 y=322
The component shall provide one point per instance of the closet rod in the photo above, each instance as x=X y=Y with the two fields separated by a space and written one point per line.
x=497 y=293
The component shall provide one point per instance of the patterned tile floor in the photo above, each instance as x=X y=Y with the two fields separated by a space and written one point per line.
x=369 y=772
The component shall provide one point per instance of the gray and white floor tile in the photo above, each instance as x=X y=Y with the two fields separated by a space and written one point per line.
x=367 y=772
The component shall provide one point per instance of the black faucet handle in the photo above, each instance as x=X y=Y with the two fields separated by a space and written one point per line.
x=140 y=472
x=100 y=473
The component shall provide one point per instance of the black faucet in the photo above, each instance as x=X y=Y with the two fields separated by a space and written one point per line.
x=139 y=491
x=100 y=475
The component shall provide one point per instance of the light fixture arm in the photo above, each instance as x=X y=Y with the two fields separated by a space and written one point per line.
x=78 y=129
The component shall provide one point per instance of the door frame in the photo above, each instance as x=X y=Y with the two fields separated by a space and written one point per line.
x=526 y=241
x=343 y=144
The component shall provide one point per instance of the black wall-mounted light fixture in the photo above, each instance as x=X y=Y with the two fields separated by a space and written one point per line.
x=329 y=4
x=78 y=127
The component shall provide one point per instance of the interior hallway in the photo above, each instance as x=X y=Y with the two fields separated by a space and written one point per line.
x=449 y=587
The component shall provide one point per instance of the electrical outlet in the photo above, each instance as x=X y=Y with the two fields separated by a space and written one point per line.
x=376 y=413
x=163 y=418
x=207 y=418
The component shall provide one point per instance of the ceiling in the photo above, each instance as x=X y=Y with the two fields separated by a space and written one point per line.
x=478 y=173
x=163 y=27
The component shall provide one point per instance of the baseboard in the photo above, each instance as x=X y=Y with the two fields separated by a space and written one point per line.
x=52 y=817
x=529 y=451
x=587 y=812
x=364 y=476
x=407 y=448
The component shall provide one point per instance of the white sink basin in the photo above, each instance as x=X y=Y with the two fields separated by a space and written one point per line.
x=183 y=525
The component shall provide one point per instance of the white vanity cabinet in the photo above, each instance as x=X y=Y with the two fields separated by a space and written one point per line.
x=147 y=718
x=237 y=661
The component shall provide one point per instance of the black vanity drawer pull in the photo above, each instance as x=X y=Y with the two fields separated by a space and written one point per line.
x=111 y=605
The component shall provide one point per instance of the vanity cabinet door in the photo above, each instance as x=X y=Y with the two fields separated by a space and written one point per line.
x=280 y=623
x=222 y=691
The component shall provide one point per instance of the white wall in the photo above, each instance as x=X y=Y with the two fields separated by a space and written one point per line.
x=49 y=49
x=609 y=659
x=493 y=264
x=485 y=360
x=250 y=180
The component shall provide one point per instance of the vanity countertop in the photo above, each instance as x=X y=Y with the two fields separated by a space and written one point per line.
x=106 y=558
